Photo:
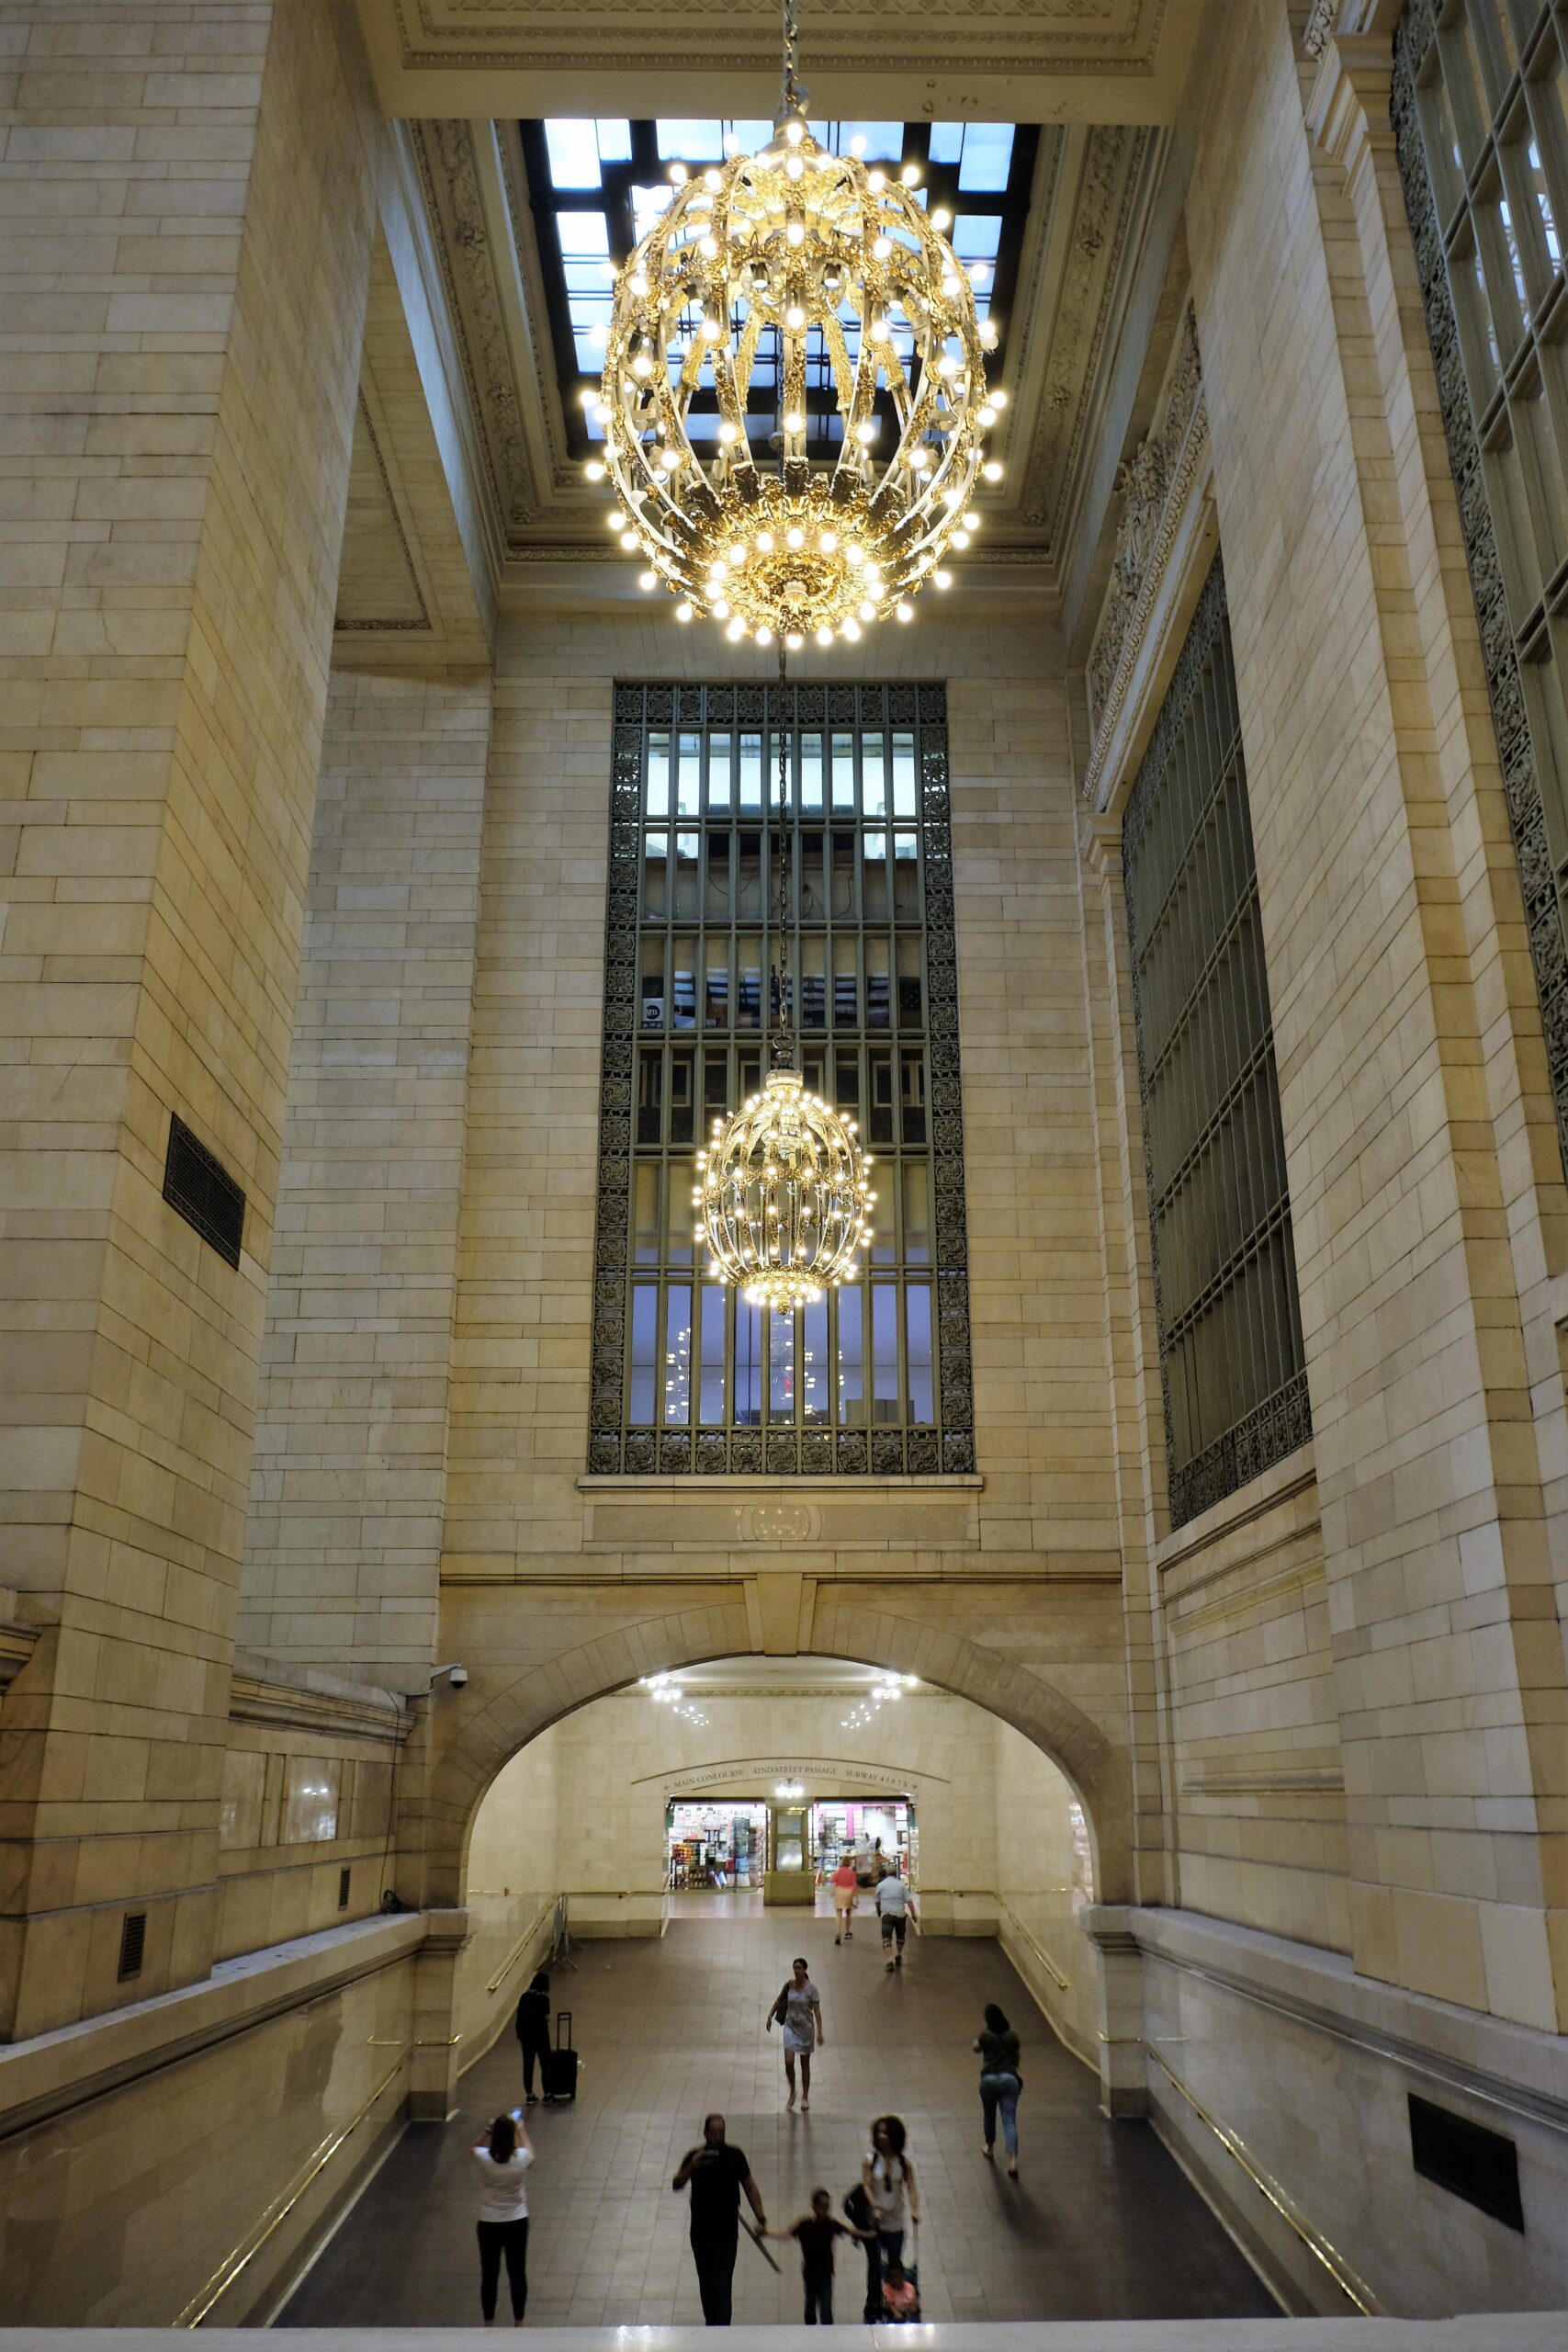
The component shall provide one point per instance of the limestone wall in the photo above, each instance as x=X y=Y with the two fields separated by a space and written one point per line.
x=347 y=1493
x=1044 y=1877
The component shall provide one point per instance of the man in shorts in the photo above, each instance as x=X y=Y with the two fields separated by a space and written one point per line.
x=843 y=1882
x=895 y=1908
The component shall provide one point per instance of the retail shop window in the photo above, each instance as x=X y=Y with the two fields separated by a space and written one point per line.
x=874 y=1377
x=1230 y=1338
x=1480 y=109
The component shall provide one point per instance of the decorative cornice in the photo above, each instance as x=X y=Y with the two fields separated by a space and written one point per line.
x=1105 y=203
x=468 y=266
x=997 y=37
x=1320 y=27
x=1154 y=484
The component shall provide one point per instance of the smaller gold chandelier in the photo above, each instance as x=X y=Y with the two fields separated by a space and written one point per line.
x=784 y=1195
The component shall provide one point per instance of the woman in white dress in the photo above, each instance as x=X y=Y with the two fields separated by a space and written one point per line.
x=798 y=2012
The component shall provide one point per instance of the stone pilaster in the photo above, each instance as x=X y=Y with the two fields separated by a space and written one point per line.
x=1376 y=827
x=184 y=238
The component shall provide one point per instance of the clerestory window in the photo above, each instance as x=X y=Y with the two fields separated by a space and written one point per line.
x=1480 y=110
x=874 y=1377
x=1230 y=1335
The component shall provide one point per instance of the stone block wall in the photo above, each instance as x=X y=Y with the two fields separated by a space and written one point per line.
x=184 y=228
x=345 y=1530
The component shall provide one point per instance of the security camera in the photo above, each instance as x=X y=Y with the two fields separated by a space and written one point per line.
x=456 y=1675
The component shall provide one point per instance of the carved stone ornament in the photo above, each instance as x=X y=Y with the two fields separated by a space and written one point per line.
x=1320 y=27
x=1153 y=485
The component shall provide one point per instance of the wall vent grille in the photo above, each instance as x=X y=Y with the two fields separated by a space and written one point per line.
x=1467 y=2160
x=343 y=1879
x=132 y=1943
x=203 y=1192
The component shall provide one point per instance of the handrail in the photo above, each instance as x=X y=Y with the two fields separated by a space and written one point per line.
x=228 y=2269
x=510 y=1963
x=1043 y=1957
x=1354 y=2289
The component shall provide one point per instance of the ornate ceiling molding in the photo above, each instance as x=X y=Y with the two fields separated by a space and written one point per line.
x=448 y=171
x=1064 y=37
x=1105 y=205
x=1154 y=485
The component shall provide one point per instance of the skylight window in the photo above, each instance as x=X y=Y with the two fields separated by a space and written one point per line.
x=598 y=185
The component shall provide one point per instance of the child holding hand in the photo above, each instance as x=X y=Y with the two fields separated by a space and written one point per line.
x=814 y=2232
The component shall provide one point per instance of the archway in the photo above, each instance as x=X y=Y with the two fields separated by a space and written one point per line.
x=511 y=1704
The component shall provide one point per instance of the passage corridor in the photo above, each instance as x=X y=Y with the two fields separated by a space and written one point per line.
x=1100 y=2224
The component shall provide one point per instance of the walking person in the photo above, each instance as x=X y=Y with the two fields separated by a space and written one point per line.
x=533 y=2029
x=502 y=2159
x=798 y=2012
x=895 y=1908
x=717 y=2174
x=844 y=1885
x=893 y=2195
x=814 y=2232
x=1001 y=2082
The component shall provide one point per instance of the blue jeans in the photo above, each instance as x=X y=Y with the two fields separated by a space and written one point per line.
x=1000 y=2090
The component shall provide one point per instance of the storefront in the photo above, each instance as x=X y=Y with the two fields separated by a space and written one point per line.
x=723 y=1844
x=853 y=1826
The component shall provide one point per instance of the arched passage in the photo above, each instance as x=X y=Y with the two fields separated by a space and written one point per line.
x=514 y=1707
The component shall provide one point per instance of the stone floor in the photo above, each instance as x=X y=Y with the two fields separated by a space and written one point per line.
x=1101 y=2223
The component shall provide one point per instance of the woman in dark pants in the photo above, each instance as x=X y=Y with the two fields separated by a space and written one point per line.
x=502 y=2161
x=532 y=2026
x=893 y=2200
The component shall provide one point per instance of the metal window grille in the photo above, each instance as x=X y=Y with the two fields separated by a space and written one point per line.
x=1480 y=110
x=1230 y=1341
x=875 y=1377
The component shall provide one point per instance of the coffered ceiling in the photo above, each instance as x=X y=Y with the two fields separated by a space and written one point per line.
x=1099 y=77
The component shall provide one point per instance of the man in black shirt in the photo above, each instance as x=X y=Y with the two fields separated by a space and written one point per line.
x=717 y=2174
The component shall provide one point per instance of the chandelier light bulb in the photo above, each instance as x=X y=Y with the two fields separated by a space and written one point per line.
x=789 y=259
x=594 y=470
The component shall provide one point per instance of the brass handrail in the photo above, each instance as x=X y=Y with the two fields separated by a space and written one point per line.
x=1043 y=1957
x=529 y=1932
x=1355 y=2290
x=228 y=2269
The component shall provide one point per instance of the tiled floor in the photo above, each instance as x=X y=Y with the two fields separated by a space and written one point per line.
x=1100 y=2224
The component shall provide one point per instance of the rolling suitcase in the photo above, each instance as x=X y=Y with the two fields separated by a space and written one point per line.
x=557 y=2067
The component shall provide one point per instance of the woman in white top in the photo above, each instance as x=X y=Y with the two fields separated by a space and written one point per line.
x=797 y=2010
x=502 y=2161
x=894 y=2196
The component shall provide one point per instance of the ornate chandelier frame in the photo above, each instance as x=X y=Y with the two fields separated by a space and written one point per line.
x=775 y=246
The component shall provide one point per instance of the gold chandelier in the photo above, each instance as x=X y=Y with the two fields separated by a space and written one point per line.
x=784 y=1195
x=782 y=1198
x=756 y=256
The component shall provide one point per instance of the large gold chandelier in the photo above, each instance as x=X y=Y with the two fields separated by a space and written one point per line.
x=754 y=258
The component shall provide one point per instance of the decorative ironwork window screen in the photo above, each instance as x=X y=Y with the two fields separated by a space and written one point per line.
x=687 y=1377
x=1480 y=110
x=1230 y=1341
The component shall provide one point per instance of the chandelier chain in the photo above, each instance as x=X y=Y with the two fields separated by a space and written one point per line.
x=794 y=93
